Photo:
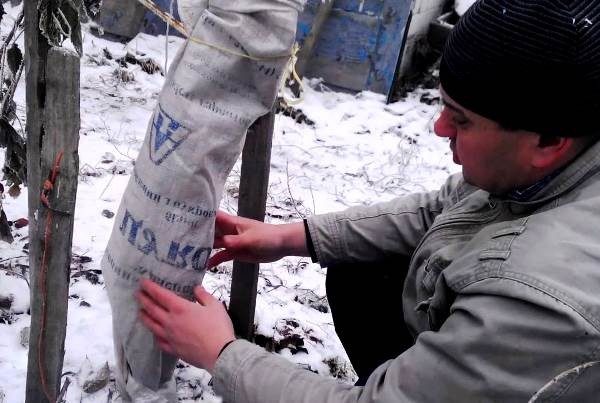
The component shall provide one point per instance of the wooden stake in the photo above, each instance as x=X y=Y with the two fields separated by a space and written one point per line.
x=254 y=181
x=53 y=124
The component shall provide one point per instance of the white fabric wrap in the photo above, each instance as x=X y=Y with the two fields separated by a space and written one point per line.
x=165 y=225
x=190 y=10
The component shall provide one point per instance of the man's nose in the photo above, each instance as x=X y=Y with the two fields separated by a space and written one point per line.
x=443 y=126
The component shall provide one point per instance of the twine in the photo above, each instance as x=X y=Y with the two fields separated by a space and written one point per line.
x=178 y=25
x=47 y=188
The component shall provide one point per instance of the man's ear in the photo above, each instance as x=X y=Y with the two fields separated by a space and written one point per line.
x=552 y=151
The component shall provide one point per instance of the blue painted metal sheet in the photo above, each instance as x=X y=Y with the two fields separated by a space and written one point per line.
x=360 y=44
x=359 y=47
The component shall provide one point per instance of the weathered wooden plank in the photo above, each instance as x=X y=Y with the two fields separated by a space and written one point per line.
x=61 y=122
x=310 y=41
x=369 y=7
x=343 y=54
x=254 y=181
x=359 y=45
x=390 y=45
x=36 y=50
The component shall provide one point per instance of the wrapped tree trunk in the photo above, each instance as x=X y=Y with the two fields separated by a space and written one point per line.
x=224 y=77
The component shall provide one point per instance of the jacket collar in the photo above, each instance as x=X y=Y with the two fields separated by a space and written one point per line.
x=527 y=193
x=584 y=166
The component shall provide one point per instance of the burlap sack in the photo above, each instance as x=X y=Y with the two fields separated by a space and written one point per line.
x=165 y=225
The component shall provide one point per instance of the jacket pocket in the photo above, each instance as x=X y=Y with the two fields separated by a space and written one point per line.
x=434 y=266
x=437 y=306
x=500 y=243
x=437 y=310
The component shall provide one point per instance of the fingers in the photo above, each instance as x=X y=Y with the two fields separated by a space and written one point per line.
x=154 y=325
x=204 y=297
x=164 y=345
x=220 y=257
x=225 y=224
x=160 y=296
x=219 y=243
x=229 y=242
x=153 y=310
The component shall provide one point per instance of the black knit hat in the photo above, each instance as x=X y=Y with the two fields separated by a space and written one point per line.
x=528 y=64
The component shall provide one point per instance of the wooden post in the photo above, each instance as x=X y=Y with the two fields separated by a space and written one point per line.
x=36 y=53
x=254 y=181
x=53 y=93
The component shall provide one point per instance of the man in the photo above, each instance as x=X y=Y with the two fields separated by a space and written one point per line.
x=502 y=291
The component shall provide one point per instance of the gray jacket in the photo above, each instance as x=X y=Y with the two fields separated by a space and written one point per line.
x=503 y=298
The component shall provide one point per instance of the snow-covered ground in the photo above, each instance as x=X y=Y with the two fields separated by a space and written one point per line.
x=359 y=151
x=461 y=6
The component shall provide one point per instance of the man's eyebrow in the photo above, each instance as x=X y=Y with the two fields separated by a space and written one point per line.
x=451 y=106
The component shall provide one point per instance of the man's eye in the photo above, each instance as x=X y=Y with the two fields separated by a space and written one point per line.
x=460 y=121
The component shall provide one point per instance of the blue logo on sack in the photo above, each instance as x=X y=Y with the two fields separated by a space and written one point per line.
x=166 y=135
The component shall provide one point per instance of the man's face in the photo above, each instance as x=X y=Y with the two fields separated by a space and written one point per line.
x=492 y=158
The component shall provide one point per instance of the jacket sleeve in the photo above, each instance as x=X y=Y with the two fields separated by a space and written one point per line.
x=380 y=231
x=491 y=348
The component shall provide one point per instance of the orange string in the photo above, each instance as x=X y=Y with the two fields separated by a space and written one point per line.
x=47 y=188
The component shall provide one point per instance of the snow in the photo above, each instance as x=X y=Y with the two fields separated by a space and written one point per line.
x=461 y=6
x=359 y=151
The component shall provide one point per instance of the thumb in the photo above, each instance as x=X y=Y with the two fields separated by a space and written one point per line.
x=225 y=223
x=203 y=297
x=231 y=241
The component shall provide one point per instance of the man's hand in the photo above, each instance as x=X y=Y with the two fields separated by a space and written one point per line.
x=194 y=332
x=254 y=241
